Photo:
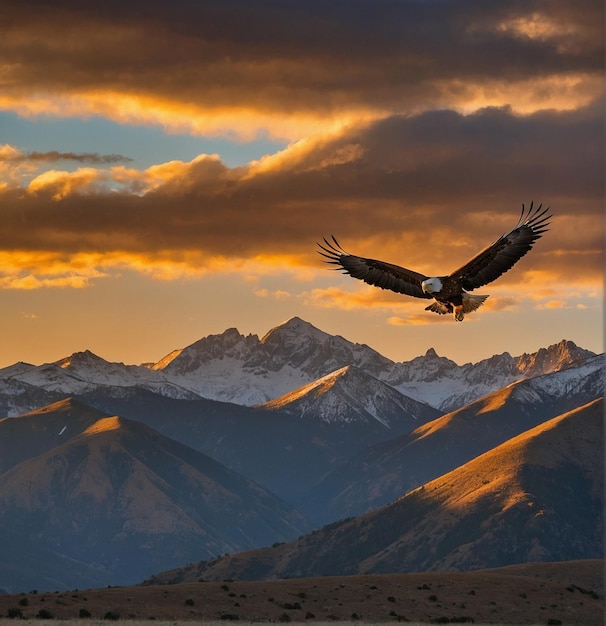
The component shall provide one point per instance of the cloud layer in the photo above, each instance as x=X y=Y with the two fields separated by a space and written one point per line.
x=289 y=68
x=417 y=129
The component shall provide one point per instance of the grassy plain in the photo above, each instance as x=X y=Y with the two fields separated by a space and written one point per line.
x=569 y=594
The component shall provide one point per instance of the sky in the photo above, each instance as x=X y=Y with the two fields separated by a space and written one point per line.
x=166 y=169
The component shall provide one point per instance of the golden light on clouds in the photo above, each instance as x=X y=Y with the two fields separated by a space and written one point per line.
x=567 y=35
x=420 y=319
x=411 y=139
x=22 y=269
x=239 y=123
x=555 y=304
x=559 y=92
x=364 y=297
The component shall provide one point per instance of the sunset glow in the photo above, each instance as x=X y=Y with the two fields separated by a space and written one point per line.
x=410 y=139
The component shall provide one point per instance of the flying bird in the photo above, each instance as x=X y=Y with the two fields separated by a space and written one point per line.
x=448 y=292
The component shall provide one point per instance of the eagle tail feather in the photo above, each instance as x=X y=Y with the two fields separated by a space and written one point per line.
x=472 y=302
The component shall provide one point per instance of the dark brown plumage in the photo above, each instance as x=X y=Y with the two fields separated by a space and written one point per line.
x=449 y=292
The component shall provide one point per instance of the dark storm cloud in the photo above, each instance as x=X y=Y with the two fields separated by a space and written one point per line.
x=277 y=56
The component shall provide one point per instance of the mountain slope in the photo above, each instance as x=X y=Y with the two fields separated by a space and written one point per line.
x=349 y=394
x=383 y=472
x=277 y=448
x=28 y=435
x=128 y=500
x=537 y=497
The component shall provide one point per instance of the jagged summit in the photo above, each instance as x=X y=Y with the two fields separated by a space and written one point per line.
x=554 y=358
x=228 y=344
x=86 y=358
x=292 y=325
x=247 y=370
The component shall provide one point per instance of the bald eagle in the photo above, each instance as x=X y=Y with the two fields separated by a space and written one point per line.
x=449 y=292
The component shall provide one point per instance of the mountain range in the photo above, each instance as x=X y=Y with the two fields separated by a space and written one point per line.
x=249 y=371
x=536 y=497
x=111 y=472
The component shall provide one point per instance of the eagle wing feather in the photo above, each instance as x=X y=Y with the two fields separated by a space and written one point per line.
x=506 y=251
x=374 y=272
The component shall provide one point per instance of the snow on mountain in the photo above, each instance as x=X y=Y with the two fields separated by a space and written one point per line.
x=587 y=378
x=15 y=370
x=246 y=370
x=552 y=359
x=445 y=385
x=84 y=371
x=349 y=394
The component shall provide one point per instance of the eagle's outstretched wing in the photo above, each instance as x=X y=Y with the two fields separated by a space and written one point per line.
x=373 y=272
x=506 y=251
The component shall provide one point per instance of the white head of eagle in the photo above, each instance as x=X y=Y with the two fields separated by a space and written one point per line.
x=432 y=285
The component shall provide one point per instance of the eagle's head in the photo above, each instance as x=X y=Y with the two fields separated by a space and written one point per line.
x=432 y=285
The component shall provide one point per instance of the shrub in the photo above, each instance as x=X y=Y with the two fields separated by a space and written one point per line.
x=15 y=613
x=44 y=614
x=112 y=615
x=84 y=613
x=23 y=602
x=189 y=602
x=294 y=605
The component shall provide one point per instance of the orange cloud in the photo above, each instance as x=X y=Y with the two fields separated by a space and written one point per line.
x=365 y=297
x=33 y=282
x=23 y=269
x=418 y=319
x=554 y=304
x=397 y=188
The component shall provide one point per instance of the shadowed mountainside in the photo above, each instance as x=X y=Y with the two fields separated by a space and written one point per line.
x=538 y=496
x=386 y=470
x=125 y=500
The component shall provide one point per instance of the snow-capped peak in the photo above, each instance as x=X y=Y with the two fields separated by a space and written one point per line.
x=247 y=370
x=349 y=394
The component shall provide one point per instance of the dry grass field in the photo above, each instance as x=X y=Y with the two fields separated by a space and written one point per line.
x=550 y=593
